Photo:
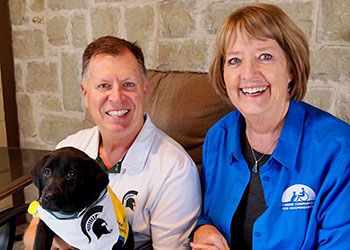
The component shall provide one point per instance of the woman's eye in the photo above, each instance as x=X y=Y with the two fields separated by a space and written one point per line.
x=128 y=84
x=265 y=56
x=47 y=172
x=234 y=61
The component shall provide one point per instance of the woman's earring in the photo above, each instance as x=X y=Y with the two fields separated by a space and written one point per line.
x=289 y=86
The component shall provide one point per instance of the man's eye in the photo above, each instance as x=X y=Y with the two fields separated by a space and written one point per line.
x=265 y=56
x=234 y=61
x=103 y=86
x=47 y=172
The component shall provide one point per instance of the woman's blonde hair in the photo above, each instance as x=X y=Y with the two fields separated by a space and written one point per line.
x=262 y=21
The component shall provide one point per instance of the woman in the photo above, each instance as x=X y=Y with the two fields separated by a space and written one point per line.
x=276 y=171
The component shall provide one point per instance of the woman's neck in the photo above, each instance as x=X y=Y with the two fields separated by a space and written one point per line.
x=263 y=131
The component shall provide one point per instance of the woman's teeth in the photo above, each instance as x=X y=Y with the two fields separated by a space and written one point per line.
x=254 y=90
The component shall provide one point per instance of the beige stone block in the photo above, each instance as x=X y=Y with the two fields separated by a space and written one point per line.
x=18 y=77
x=67 y=4
x=215 y=14
x=42 y=77
x=343 y=106
x=50 y=102
x=334 y=21
x=18 y=10
x=28 y=44
x=71 y=71
x=110 y=1
x=57 y=28
x=320 y=97
x=177 y=18
x=31 y=193
x=330 y=63
x=35 y=144
x=79 y=34
x=53 y=128
x=301 y=14
x=105 y=21
x=344 y=62
x=26 y=116
x=37 y=5
x=141 y=28
x=187 y=55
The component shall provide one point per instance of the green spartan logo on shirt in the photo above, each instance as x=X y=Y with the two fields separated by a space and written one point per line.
x=129 y=199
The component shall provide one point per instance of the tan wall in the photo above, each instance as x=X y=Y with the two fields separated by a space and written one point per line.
x=50 y=35
x=3 y=140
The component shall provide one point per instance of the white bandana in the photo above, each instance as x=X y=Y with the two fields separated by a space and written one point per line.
x=99 y=226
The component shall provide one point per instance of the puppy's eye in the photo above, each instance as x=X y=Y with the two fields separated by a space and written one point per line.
x=47 y=172
x=71 y=174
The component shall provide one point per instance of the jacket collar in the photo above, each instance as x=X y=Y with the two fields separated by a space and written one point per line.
x=288 y=144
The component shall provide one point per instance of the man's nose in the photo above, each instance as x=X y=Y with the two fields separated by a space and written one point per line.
x=116 y=94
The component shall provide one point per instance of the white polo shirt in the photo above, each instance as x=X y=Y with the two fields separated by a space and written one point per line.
x=158 y=185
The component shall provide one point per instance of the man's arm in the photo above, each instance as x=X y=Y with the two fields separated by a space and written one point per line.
x=175 y=213
x=29 y=237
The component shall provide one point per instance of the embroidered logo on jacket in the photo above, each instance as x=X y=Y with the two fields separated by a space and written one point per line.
x=297 y=197
x=129 y=199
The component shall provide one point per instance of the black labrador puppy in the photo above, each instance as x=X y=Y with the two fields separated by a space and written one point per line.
x=76 y=204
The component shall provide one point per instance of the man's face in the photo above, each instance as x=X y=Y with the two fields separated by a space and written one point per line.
x=114 y=94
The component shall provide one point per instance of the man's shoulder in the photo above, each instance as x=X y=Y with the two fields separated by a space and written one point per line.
x=80 y=139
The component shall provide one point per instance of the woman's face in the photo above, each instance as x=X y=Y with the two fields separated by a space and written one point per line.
x=256 y=75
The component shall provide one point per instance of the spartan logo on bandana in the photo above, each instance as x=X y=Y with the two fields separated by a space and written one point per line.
x=91 y=223
x=129 y=199
x=298 y=197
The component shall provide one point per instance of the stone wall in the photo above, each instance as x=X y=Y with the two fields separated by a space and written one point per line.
x=50 y=35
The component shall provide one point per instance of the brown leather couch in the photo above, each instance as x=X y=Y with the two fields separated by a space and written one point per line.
x=184 y=105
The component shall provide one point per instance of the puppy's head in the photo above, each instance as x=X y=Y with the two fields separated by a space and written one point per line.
x=68 y=180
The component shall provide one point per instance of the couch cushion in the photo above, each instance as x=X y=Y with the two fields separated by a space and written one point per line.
x=184 y=105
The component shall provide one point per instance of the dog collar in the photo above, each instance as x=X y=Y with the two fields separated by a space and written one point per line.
x=67 y=216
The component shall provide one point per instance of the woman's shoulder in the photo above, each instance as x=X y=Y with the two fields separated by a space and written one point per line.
x=324 y=122
x=231 y=120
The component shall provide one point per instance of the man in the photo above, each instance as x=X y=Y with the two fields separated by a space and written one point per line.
x=151 y=174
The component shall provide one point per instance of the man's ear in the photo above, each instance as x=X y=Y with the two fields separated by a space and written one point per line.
x=83 y=89
x=36 y=173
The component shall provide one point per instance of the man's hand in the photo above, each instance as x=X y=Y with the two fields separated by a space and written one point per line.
x=207 y=237
x=29 y=236
x=59 y=244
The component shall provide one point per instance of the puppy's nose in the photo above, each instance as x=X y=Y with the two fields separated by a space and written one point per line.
x=50 y=197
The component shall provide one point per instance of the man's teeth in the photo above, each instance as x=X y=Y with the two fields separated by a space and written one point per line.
x=254 y=90
x=117 y=113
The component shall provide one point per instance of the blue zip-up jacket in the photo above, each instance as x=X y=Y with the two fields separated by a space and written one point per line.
x=306 y=181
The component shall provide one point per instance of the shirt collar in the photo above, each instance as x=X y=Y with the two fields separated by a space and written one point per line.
x=137 y=154
x=288 y=145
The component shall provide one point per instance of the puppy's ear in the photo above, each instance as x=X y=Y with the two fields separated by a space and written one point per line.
x=97 y=180
x=37 y=173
